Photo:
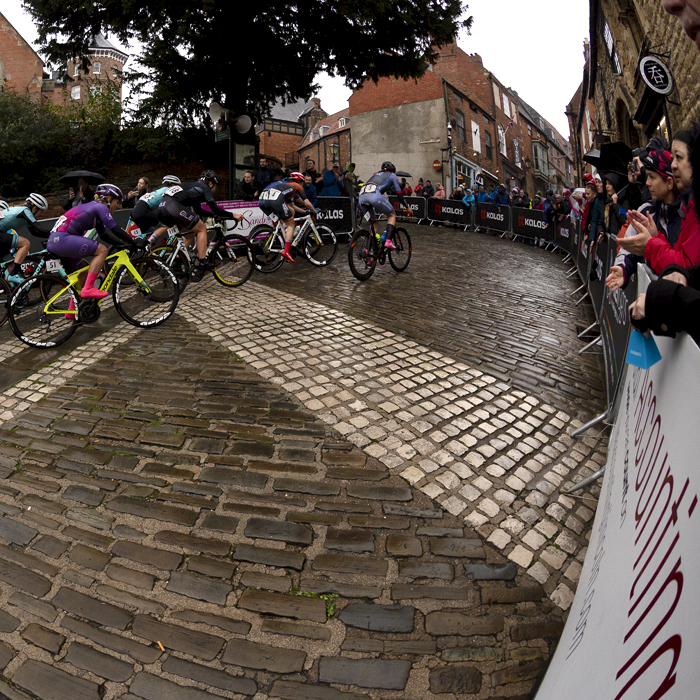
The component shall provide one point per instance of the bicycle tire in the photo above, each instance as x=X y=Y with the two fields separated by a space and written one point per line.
x=323 y=254
x=146 y=309
x=176 y=260
x=5 y=294
x=233 y=257
x=362 y=255
x=44 y=325
x=265 y=260
x=400 y=257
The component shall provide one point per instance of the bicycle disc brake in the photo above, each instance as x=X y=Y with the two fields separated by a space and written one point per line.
x=88 y=311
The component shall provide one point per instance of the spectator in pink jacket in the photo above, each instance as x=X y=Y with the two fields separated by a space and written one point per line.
x=440 y=192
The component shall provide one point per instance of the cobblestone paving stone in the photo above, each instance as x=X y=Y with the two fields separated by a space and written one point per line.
x=172 y=515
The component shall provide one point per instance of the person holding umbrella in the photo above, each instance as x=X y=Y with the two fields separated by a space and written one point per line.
x=79 y=190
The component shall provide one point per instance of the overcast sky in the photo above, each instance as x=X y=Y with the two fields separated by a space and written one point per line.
x=532 y=46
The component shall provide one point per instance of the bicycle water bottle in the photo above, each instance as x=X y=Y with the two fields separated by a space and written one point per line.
x=383 y=238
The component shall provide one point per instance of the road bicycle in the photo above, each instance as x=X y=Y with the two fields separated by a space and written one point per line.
x=365 y=251
x=149 y=300
x=230 y=253
x=316 y=242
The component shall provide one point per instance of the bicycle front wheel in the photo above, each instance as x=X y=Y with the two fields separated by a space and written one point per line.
x=321 y=246
x=400 y=257
x=176 y=259
x=233 y=258
x=267 y=246
x=48 y=323
x=5 y=294
x=362 y=255
x=150 y=302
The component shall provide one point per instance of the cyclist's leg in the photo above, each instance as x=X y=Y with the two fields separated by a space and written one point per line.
x=384 y=206
x=20 y=255
x=88 y=291
x=200 y=231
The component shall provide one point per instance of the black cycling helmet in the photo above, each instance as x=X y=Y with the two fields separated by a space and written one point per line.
x=388 y=165
x=209 y=176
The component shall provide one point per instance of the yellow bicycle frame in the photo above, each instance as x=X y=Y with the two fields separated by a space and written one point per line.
x=121 y=260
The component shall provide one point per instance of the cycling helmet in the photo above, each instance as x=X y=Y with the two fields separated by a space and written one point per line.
x=209 y=176
x=171 y=180
x=38 y=201
x=4 y=205
x=388 y=165
x=296 y=176
x=107 y=190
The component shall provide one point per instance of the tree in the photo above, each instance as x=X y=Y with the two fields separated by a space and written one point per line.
x=248 y=54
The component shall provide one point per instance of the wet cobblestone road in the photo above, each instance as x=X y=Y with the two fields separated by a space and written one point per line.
x=305 y=488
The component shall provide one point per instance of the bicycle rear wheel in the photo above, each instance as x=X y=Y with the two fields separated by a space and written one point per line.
x=362 y=255
x=267 y=246
x=400 y=257
x=320 y=248
x=45 y=324
x=233 y=258
x=176 y=260
x=150 y=303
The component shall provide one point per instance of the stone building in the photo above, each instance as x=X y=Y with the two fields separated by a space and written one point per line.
x=21 y=68
x=328 y=142
x=623 y=35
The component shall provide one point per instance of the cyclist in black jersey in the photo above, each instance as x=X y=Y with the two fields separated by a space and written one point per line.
x=182 y=206
x=372 y=199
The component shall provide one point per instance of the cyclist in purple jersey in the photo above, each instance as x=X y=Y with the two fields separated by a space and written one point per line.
x=372 y=199
x=67 y=240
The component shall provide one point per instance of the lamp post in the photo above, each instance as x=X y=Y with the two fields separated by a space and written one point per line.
x=334 y=148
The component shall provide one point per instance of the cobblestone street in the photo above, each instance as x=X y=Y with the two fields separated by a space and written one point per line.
x=308 y=487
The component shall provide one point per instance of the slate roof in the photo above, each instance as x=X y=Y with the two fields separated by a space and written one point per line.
x=99 y=42
x=331 y=121
x=292 y=111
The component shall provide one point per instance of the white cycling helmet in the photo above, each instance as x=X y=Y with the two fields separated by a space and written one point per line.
x=38 y=201
x=4 y=205
x=171 y=180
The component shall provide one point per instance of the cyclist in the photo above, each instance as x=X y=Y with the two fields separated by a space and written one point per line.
x=9 y=239
x=373 y=200
x=279 y=198
x=177 y=208
x=67 y=240
x=144 y=212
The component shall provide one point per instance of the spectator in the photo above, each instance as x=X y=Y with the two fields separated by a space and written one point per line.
x=688 y=11
x=406 y=189
x=136 y=194
x=501 y=197
x=332 y=182
x=265 y=174
x=514 y=197
x=526 y=202
x=538 y=203
x=311 y=169
x=658 y=251
x=246 y=189
x=418 y=190
x=597 y=209
x=84 y=194
x=614 y=216
x=469 y=199
x=310 y=188
x=664 y=209
x=482 y=195
x=457 y=193
x=440 y=192
x=591 y=195
x=277 y=175
x=428 y=190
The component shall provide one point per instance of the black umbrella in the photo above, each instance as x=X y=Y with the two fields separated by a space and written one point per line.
x=615 y=156
x=592 y=157
x=403 y=173
x=71 y=178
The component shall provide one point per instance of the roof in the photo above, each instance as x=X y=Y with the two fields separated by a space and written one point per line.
x=99 y=42
x=292 y=111
x=31 y=48
x=330 y=121
x=575 y=103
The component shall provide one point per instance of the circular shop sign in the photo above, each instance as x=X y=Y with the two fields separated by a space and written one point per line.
x=656 y=74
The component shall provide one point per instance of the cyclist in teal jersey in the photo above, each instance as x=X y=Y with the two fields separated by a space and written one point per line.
x=12 y=217
x=144 y=213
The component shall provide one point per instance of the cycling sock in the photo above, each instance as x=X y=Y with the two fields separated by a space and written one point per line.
x=202 y=262
x=89 y=291
x=287 y=255
x=389 y=230
x=71 y=307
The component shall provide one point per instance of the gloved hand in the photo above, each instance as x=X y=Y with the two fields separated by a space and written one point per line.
x=140 y=244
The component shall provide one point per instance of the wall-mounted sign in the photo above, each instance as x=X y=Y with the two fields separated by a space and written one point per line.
x=429 y=141
x=437 y=165
x=656 y=74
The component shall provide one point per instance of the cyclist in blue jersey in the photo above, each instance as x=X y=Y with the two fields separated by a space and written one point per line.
x=181 y=206
x=11 y=217
x=144 y=212
x=372 y=200
x=67 y=240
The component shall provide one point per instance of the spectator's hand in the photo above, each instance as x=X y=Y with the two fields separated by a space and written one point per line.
x=614 y=198
x=637 y=308
x=677 y=277
x=615 y=279
x=133 y=193
x=644 y=222
x=601 y=236
x=635 y=244
x=71 y=193
x=634 y=176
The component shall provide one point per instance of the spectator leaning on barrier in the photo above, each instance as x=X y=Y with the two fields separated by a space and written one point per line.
x=501 y=197
x=428 y=190
x=664 y=208
x=538 y=203
x=656 y=248
x=332 y=182
x=418 y=189
x=246 y=189
x=597 y=209
x=311 y=170
x=469 y=200
x=440 y=192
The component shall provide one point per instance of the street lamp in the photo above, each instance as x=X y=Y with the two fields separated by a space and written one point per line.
x=334 y=148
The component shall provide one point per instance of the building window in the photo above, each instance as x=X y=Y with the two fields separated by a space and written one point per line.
x=488 y=144
x=343 y=121
x=506 y=105
x=529 y=131
x=476 y=137
x=76 y=70
x=461 y=127
x=502 y=140
x=516 y=153
x=496 y=94
x=75 y=92
x=322 y=130
x=456 y=96
x=96 y=67
x=610 y=45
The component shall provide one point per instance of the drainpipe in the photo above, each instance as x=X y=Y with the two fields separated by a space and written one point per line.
x=449 y=140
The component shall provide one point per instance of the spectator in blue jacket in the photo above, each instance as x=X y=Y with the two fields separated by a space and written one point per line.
x=332 y=182
x=310 y=189
x=501 y=197
x=469 y=199
x=483 y=196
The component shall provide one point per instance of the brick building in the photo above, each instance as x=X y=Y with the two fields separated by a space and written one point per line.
x=623 y=34
x=328 y=142
x=21 y=68
x=283 y=130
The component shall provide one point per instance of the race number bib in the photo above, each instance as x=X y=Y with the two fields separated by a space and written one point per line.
x=146 y=197
x=53 y=265
x=274 y=218
x=270 y=195
x=173 y=230
x=172 y=190
x=61 y=220
x=368 y=215
x=369 y=189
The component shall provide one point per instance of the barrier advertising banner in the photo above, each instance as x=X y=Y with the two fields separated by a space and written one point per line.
x=565 y=234
x=417 y=206
x=531 y=223
x=582 y=258
x=633 y=632
x=335 y=212
x=599 y=268
x=449 y=210
x=493 y=216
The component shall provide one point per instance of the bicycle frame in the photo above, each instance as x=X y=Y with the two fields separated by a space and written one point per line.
x=280 y=227
x=121 y=259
